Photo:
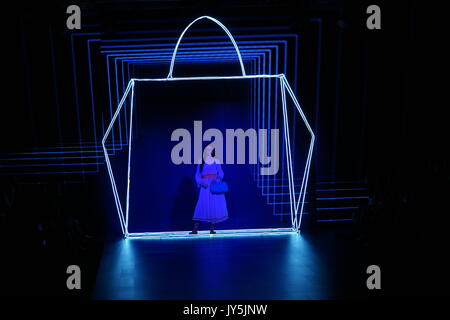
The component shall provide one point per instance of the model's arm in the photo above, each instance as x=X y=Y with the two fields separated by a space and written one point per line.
x=198 y=178
x=220 y=173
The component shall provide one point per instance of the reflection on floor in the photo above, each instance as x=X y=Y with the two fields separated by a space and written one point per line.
x=290 y=266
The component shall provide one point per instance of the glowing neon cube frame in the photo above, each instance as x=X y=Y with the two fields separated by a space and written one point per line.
x=296 y=205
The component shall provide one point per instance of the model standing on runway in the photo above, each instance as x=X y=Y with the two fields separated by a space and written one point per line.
x=210 y=207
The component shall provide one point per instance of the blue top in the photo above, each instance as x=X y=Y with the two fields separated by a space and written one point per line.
x=213 y=168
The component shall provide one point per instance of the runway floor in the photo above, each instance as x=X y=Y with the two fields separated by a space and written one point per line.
x=315 y=265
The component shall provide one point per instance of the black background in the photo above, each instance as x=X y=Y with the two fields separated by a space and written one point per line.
x=385 y=94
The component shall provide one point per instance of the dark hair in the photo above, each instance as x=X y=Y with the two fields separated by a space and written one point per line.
x=213 y=154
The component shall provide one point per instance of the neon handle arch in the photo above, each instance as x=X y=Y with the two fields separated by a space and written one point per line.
x=172 y=62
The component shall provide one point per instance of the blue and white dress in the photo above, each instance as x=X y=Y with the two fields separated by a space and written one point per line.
x=210 y=207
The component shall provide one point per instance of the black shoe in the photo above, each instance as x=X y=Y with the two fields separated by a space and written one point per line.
x=195 y=229
x=211 y=229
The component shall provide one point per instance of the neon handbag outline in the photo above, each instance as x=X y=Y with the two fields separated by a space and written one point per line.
x=296 y=204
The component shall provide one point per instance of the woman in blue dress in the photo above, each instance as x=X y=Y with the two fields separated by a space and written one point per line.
x=210 y=207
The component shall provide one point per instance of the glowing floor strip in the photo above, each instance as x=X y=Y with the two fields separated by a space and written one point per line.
x=296 y=215
x=219 y=233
